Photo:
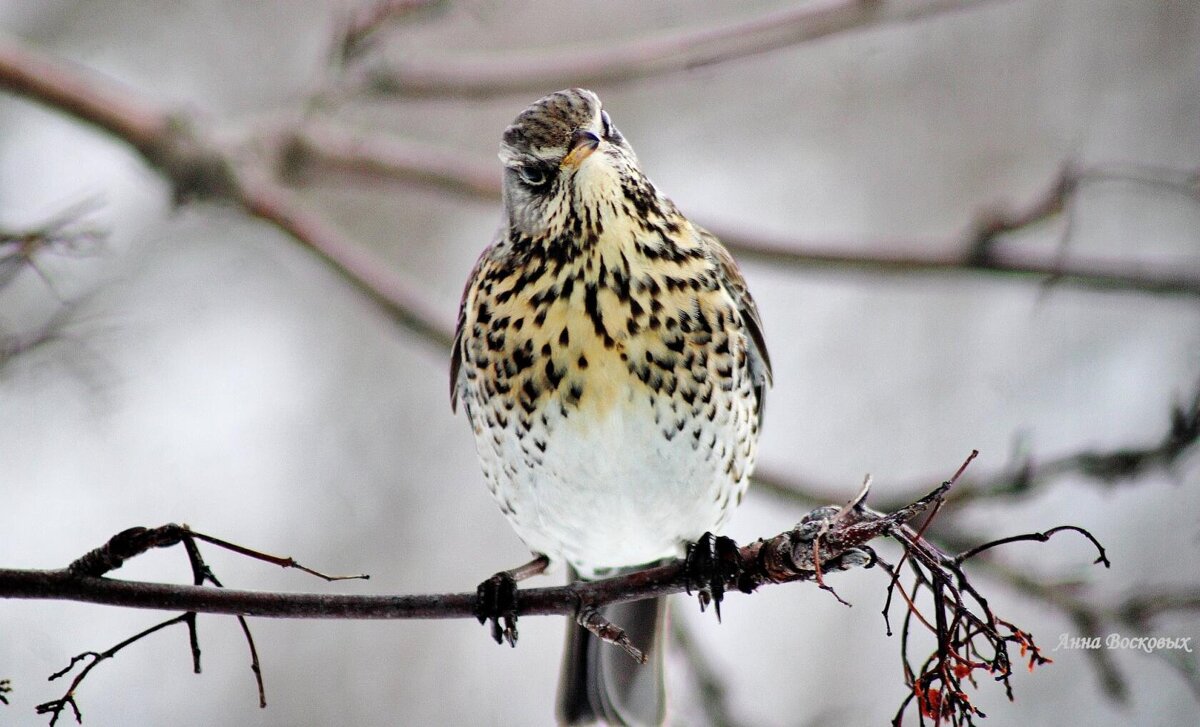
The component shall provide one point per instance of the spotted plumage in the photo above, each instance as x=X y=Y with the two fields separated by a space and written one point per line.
x=608 y=354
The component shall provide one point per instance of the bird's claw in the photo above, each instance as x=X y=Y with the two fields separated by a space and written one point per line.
x=712 y=562
x=496 y=599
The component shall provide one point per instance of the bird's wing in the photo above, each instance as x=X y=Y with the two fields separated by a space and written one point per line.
x=456 y=352
x=735 y=285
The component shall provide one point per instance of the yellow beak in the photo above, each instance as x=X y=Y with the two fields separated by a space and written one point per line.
x=583 y=143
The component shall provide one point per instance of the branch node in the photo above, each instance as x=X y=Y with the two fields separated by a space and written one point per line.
x=589 y=617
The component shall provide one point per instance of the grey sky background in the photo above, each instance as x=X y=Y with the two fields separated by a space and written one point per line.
x=210 y=371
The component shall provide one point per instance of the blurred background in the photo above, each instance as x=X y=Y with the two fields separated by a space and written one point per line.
x=187 y=363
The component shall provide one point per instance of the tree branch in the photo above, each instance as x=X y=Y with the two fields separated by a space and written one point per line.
x=63 y=234
x=615 y=62
x=326 y=148
x=1096 y=618
x=706 y=677
x=83 y=94
x=797 y=554
x=362 y=24
x=201 y=168
x=1029 y=475
x=314 y=150
x=356 y=264
x=969 y=635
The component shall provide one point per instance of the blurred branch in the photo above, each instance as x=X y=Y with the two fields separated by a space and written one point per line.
x=1094 y=619
x=709 y=683
x=619 y=61
x=364 y=23
x=281 y=207
x=83 y=94
x=199 y=167
x=976 y=251
x=1107 y=467
x=61 y=235
x=314 y=149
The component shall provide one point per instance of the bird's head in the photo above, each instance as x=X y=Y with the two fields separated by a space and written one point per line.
x=564 y=161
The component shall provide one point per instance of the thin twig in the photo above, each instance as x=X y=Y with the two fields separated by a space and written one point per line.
x=280 y=560
x=60 y=235
x=203 y=573
x=1036 y=537
x=55 y=707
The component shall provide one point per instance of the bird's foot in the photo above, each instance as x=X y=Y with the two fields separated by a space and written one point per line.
x=496 y=600
x=712 y=562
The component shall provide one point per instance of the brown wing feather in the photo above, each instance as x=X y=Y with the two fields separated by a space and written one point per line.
x=456 y=353
x=735 y=284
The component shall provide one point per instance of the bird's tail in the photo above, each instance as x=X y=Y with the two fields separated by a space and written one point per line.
x=600 y=682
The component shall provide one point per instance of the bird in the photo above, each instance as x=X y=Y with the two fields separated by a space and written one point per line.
x=611 y=362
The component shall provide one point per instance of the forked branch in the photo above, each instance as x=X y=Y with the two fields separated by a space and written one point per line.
x=131 y=543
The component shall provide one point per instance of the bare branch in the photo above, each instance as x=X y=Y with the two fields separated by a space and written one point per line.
x=787 y=557
x=363 y=24
x=84 y=94
x=918 y=259
x=131 y=543
x=977 y=250
x=827 y=539
x=56 y=707
x=201 y=168
x=1106 y=467
x=62 y=234
x=709 y=683
x=616 y=62
x=281 y=207
x=330 y=148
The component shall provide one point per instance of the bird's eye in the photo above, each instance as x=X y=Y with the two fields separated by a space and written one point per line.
x=533 y=175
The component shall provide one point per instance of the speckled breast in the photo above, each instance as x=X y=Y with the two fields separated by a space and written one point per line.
x=611 y=399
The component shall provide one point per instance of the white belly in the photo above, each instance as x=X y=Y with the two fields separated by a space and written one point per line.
x=620 y=489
